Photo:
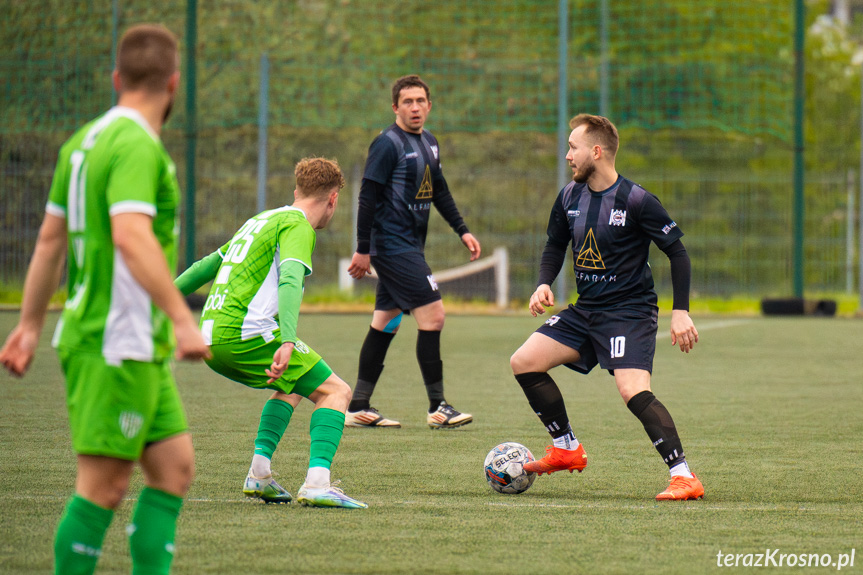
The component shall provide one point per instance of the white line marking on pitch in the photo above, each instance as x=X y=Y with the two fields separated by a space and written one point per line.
x=708 y=326
x=691 y=506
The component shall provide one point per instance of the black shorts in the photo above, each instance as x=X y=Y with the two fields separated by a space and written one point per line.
x=404 y=281
x=616 y=339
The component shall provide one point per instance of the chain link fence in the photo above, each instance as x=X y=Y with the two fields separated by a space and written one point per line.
x=701 y=92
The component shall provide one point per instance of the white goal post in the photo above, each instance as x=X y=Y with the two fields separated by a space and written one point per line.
x=495 y=267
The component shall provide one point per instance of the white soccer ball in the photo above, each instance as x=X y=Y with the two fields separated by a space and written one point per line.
x=504 y=468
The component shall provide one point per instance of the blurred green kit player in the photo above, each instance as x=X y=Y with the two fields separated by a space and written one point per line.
x=113 y=205
x=250 y=322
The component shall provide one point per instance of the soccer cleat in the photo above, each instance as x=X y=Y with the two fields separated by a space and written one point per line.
x=446 y=417
x=266 y=489
x=370 y=417
x=681 y=488
x=557 y=459
x=330 y=496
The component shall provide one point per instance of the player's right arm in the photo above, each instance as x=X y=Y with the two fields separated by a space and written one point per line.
x=551 y=261
x=201 y=272
x=43 y=277
x=370 y=194
x=542 y=298
x=132 y=233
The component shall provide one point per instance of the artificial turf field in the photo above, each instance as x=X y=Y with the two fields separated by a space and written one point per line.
x=770 y=412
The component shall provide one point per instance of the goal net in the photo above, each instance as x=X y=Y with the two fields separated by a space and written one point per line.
x=486 y=279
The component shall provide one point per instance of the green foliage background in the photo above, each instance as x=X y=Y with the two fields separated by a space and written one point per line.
x=701 y=93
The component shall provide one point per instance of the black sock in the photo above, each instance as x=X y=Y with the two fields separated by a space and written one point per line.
x=545 y=399
x=659 y=426
x=431 y=366
x=372 y=356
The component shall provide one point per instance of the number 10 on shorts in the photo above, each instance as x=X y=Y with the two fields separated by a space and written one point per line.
x=618 y=346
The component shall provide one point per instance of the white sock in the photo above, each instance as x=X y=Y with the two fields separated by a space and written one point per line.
x=260 y=466
x=568 y=442
x=681 y=468
x=318 y=477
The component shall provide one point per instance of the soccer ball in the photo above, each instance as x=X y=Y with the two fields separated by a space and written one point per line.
x=504 y=468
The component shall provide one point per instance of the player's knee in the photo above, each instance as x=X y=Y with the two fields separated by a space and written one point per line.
x=111 y=495
x=186 y=474
x=344 y=391
x=335 y=388
x=519 y=362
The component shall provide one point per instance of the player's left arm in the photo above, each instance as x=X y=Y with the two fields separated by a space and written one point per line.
x=654 y=220
x=445 y=205
x=43 y=278
x=291 y=276
x=683 y=332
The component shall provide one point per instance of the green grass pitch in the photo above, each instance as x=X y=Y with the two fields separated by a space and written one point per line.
x=769 y=411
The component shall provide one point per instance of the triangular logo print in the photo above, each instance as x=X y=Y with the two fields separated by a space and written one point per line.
x=589 y=256
x=426 y=189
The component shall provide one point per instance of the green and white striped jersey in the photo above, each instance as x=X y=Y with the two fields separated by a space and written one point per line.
x=244 y=301
x=114 y=164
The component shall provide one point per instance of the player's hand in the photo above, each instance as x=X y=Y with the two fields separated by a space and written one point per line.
x=472 y=244
x=360 y=266
x=542 y=298
x=281 y=359
x=190 y=342
x=19 y=349
x=683 y=332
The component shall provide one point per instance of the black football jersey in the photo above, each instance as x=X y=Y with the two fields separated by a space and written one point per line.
x=610 y=233
x=407 y=165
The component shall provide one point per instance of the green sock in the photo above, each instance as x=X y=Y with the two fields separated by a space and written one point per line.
x=151 y=533
x=78 y=542
x=325 y=430
x=274 y=421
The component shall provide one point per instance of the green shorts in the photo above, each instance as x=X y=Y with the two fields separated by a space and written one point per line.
x=116 y=411
x=246 y=362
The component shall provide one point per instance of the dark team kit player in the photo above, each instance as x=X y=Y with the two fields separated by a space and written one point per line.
x=610 y=222
x=401 y=182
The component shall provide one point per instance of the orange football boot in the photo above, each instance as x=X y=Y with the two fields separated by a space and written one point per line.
x=681 y=488
x=557 y=459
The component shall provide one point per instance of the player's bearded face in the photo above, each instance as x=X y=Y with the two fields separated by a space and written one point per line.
x=582 y=172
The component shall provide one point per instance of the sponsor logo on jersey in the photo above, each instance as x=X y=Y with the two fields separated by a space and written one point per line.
x=669 y=227
x=419 y=207
x=215 y=300
x=594 y=277
x=618 y=218
x=130 y=423
x=411 y=155
x=589 y=256
x=573 y=213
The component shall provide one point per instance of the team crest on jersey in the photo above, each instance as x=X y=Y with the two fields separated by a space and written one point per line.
x=618 y=218
x=434 y=151
x=589 y=256
x=425 y=191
